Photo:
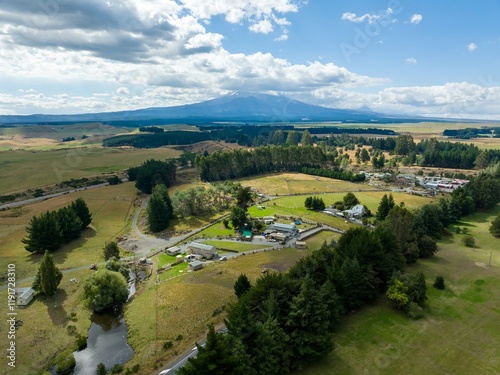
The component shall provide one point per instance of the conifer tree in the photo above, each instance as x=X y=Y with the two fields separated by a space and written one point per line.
x=83 y=212
x=44 y=233
x=48 y=277
x=70 y=224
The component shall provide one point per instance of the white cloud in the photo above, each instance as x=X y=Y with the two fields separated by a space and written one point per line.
x=416 y=19
x=472 y=47
x=282 y=37
x=368 y=17
x=262 y=27
x=411 y=60
x=123 y=91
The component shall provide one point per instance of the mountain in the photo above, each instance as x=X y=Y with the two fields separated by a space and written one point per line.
x=237 y=106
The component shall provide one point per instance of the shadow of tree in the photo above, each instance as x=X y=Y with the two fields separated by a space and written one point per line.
x=55 y=307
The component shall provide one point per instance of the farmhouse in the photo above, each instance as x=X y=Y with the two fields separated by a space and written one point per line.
x=356 y=212
x=195 y=265
x=174 y=250
x=24 y=296
x=288 y=230
x=206 y=251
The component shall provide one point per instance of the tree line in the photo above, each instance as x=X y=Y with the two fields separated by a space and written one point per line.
x=241 y=163
x=51 y=229
x=336 y=173
x=153 y=172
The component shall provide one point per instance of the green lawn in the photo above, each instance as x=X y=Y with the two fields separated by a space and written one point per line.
x=235 y=246
x=459 y=333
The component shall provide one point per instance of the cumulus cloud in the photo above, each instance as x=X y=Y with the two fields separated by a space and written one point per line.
x=411 y=60
x=472 y=47
x=368 y=17
x=416 y=18
x=263 y=27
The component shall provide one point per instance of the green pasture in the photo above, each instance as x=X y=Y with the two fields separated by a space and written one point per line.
x=235 y=246
x=459 y=333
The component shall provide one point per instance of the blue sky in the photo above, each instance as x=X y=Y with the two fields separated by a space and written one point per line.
x=435 y=58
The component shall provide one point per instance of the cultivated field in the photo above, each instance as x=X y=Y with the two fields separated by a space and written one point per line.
x=32 y=169
x=459 y=333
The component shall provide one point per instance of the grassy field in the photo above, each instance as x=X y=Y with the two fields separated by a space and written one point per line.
x=45 y=321
x=185 y=305
x=459 y=333
x=30 y=169
x=316 y=241
x=294 y=206
x=298 y=183
x=49 y=137
x=235 y=246
x=111 y=208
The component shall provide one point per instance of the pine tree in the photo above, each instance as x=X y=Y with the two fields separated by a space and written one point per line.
x=242 y=285
x=83 y=212
x=308 y=203
x=212 y=359
x=162 y=191
x=307 y=324
x=44 y=233
x=385 y=205
x=157 y=213
x=70 y=224
x=48 y=277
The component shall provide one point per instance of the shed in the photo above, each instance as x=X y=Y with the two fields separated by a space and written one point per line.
x=300 y=245
x=174 y=250
x=206 y=251
x=289 y=229
x=24 y=296
x=195 y=265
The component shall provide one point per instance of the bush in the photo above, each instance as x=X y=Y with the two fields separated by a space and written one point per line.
x=179 y=338
x=468 y=241
x=168 y=345
x=439 y=283
x=116 y=369
x=71 y=329
x=101 y=369
x=81 y=342
x=414 y=311
x=66 y=365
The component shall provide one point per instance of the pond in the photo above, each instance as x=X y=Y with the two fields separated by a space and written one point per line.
x=106 y=343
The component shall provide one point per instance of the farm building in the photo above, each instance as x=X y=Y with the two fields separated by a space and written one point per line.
x=195 y=265
x=268 y=219
x=24 y=296
x=206 y=251
x=289 y=229
x=356 y=212
x=173 y=250
x=278 y=236
x=300 y=245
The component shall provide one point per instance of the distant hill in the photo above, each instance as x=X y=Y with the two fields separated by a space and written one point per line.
x=237 y=106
